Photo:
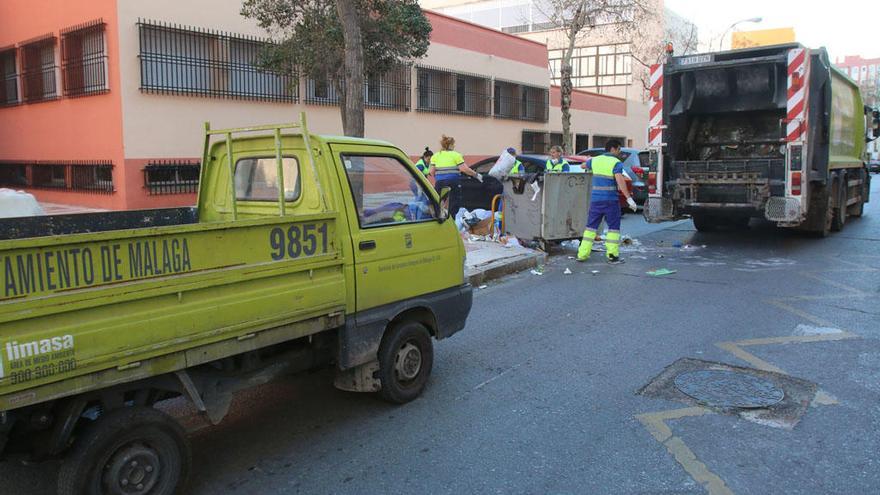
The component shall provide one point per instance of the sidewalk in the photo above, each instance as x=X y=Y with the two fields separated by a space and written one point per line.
x=490 y=260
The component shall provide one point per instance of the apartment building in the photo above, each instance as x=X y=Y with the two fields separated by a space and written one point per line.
x=103 y=103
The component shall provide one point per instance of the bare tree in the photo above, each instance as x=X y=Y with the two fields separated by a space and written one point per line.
x=577 y=19
x=651 y=48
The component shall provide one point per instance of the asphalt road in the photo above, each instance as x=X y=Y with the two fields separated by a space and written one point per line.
x=538 y=393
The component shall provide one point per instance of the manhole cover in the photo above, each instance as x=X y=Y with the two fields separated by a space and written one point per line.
x=719 y=388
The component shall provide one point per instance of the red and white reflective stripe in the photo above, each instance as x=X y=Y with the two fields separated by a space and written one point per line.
x=655 y=123
x=797 y=94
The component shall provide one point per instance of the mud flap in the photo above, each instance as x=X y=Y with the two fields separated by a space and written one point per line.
x=361 y=378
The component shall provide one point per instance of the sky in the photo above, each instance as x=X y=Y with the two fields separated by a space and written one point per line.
x=850 y=27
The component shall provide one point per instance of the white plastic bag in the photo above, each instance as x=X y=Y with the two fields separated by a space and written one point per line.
x=18 y=204
x=503 y=165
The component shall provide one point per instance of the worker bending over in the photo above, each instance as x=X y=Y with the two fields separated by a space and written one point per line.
x=447 y=166
x=607 y=179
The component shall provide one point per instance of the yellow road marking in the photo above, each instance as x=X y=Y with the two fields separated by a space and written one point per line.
x=655 y=423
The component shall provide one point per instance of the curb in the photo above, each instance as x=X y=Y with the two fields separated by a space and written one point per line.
x=506 y=266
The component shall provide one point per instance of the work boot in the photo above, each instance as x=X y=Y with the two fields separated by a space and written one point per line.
x=615 y=260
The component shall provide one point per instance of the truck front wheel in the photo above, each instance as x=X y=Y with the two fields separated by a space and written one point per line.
x=406 y=356
x=130 y=451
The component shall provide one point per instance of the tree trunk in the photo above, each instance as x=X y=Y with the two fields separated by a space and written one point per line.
x=352 y=104
x=565 y=103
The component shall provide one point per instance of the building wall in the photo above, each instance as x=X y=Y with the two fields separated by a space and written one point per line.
x=132 y=127
x=84 y=128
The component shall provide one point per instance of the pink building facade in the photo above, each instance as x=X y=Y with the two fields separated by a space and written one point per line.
x=103 y=102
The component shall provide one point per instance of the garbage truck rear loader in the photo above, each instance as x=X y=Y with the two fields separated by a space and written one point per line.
x=772 y=132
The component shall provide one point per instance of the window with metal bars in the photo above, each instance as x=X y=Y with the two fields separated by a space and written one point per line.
x=171 y=177
x=444 y=91
x=84 y=59
x=389 y=91
x=38 y=68
x=202 y=62
x=535 y=142
x=520 y=102
x=9 y=73
x=595 y=66
x=92 y=176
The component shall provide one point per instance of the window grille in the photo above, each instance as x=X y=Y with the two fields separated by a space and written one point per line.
x=9 y=73
x=84 y=59
x=521 y=102
x=595 y=66
x=171 y=177
x=444 y=91
x=389 y=91
x=202 y=62
x=535 y=142
x=38 y=69
x=91 y=176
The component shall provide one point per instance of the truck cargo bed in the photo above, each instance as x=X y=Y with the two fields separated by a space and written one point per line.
x=80 y=223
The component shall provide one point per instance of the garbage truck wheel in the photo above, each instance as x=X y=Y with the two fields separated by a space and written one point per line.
x=703 y=222
x=130 y=451
x=406 y=356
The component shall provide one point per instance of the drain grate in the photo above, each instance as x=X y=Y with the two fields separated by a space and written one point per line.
x=722 y=388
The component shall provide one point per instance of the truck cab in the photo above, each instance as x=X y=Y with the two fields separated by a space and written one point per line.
x=304 y=251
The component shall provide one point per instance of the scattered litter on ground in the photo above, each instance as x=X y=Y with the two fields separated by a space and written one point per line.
x=536 y=272
x=771 y=262
x=660 y=256
x=811 y=330
x=676 y=244
x=573 y=244
x=703 y=246
x=635 y=257
x=595 y=272
x=567 y=271
x=661 y=272
x=512 y=242
x=482 y=286
x=571 y=257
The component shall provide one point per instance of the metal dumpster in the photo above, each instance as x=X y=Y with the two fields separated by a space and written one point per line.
x=558 y=212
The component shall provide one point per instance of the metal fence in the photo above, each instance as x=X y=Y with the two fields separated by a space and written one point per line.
x=91 y=176
x=9 y=73
x=84 y=59
x=193 y=61
x=38 y=78
x=171 y=177
x=444 y=91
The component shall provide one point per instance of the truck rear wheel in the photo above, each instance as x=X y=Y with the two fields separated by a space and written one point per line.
x=406 y=356
x=130 y=451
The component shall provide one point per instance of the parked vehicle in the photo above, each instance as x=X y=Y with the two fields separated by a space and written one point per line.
x=303 y=251
x=874 y=166
x=774 y=132
x=634 y=168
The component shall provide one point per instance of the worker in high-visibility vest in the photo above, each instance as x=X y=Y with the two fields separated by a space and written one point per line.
x=424 y=161
x=447 y=166
x=518 y=167
x=556 y=163
x=607 y=179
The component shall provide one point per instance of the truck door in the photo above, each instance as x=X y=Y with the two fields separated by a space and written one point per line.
x=400 y=249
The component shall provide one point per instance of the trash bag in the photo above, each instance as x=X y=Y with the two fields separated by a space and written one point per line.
x=18 y=204
x=503 y=165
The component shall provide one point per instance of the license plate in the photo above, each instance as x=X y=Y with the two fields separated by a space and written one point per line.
x=696 y=59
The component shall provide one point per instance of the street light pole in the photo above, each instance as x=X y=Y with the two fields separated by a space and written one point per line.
x=735 y=24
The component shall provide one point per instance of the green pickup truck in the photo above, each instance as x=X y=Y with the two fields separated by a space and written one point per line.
x=303 y=251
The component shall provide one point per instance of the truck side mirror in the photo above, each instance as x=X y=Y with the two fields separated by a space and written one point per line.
x=444 y=212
